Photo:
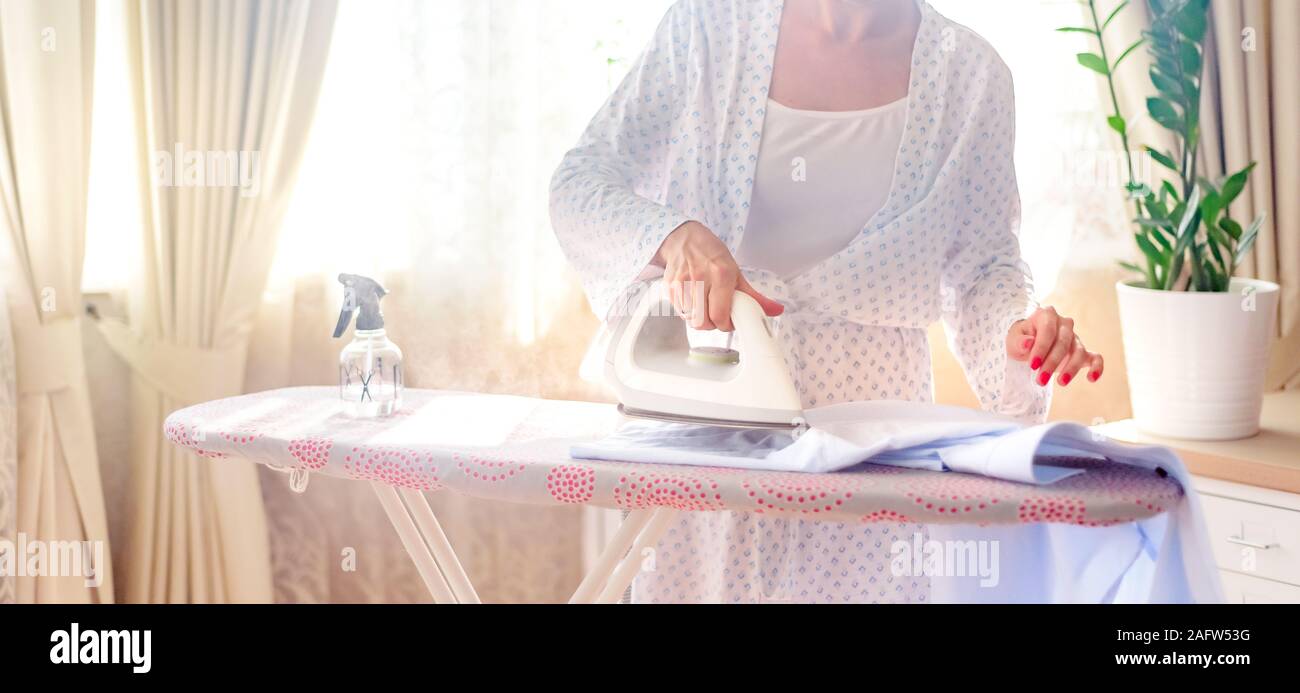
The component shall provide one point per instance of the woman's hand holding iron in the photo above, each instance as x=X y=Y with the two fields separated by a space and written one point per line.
x=1047 y=341
x=701 y=276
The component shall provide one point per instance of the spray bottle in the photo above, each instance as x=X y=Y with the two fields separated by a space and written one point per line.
x=370 y=367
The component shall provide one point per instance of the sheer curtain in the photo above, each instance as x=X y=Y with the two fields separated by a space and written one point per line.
x=438 y=128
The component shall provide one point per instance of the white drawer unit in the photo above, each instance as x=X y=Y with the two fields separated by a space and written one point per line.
x=1247 y=589
x=1254 y=539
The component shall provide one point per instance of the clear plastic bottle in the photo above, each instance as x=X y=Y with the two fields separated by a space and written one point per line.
x=370 y=366
x=370 y=375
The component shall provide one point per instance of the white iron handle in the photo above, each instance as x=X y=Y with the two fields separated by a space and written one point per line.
x=747 y=317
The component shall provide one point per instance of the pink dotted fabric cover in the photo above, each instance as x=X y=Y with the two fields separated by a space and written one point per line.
x=516 y=449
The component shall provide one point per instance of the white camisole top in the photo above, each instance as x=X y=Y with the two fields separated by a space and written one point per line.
x=821 y=175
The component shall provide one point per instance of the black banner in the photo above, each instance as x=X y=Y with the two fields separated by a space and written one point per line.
x=138 y=643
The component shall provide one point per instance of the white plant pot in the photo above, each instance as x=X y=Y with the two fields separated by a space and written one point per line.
x=1197 y=360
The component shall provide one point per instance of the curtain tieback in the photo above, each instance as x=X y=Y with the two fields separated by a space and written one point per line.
x=186 y=374
x=48 y=356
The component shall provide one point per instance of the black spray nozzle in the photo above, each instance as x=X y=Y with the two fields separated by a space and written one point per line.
x=360 y=294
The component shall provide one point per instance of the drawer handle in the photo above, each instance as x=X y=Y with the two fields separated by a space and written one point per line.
x=1254 y=545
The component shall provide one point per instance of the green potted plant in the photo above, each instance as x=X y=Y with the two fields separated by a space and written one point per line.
x=1196 y=338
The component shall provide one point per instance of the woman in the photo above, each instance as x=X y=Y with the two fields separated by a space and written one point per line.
x=848 y=163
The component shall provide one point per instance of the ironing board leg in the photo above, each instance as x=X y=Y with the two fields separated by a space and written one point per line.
x=631 y=564
x=445 y=578
x=414 y=544
x=608 y=560
x=443 y=554
x=618 y=564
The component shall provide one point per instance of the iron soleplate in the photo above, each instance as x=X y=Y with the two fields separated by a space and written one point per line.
x=705 y=421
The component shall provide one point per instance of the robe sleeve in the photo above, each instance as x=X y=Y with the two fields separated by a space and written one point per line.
x=986 y=287
x=608 y=195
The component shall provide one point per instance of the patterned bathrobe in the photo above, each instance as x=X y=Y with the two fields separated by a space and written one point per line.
x=678 y=140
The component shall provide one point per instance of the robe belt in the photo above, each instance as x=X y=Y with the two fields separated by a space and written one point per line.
x=188 y=375
x=48 y=356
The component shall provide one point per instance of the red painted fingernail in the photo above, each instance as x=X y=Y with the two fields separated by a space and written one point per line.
x=1065 y=379
x=1038 y=361
x=1093 y=376
x=1044 y=377
x=1028 y=343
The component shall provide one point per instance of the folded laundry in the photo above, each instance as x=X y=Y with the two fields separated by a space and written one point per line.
x=1165 y=558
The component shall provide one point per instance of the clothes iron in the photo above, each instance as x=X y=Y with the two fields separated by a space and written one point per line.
x=657 y=374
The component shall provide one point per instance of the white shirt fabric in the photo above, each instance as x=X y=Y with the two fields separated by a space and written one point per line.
x=679 y=140
x=821 y=175
x=1161 y=559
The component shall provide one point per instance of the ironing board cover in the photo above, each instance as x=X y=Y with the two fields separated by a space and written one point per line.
x=516 y=449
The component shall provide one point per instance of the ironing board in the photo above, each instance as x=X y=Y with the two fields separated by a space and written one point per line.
x=517 y=449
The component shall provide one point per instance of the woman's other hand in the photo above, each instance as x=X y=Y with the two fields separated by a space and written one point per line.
x=1047 y=341
x=701 y=277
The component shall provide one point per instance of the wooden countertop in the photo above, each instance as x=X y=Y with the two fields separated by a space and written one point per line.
x=1270 y=459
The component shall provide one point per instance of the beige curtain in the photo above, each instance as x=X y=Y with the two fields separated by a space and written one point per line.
x=46 y=70
x=1251 y=112
x=8 y=445
x=214 y=83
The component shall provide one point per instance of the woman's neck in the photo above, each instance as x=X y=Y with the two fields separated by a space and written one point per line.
x=857 y=20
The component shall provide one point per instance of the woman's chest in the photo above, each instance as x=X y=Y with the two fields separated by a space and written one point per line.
x=810 y=72
x=819 y=82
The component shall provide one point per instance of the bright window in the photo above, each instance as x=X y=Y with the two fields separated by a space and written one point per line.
x=438 y=129
x=113 y=203
x=1062 y=148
